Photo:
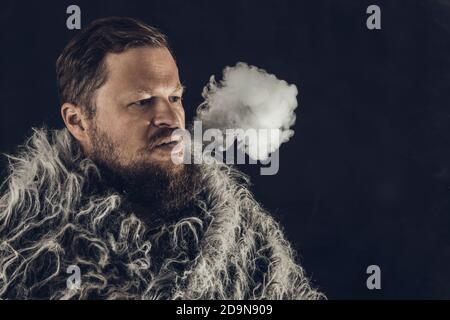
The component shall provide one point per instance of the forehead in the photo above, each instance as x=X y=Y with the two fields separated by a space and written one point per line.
x=140 y=68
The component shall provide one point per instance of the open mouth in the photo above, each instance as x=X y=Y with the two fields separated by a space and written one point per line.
x=167 y=144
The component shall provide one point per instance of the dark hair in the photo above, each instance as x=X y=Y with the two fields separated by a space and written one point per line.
x=81 y=70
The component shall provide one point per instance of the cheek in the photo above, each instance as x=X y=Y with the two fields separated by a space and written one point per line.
x=132 y=135
x=128 y=131
x=126 y=135
x=182 y=118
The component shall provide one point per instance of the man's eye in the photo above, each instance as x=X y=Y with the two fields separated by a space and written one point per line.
x=175 y=99
x=143 y=102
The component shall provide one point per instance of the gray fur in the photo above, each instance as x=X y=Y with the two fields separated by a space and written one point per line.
x=50 y=219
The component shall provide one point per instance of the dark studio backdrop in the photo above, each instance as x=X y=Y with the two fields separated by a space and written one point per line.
x=365 y=179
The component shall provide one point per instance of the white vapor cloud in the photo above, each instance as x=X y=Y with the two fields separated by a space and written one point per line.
x=250 y=98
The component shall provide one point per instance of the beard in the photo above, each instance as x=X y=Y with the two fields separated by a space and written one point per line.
x=156 y=192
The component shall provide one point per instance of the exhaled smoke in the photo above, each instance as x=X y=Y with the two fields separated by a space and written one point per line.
x=249 y=98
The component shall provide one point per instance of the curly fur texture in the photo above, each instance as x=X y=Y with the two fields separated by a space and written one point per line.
x=52 y=217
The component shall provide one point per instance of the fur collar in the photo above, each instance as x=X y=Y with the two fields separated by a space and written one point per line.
x=50 y=219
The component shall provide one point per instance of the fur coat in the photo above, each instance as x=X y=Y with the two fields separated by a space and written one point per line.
x=51 y=219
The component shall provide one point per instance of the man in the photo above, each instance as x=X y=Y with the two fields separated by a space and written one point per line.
x=100 y=209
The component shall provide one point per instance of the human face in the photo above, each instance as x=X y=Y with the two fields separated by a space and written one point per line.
x=139 y=106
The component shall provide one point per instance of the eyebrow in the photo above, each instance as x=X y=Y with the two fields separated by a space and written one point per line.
x=181 y=87
x=149 y=91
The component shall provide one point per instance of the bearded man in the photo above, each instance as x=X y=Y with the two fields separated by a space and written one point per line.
x=104 y=196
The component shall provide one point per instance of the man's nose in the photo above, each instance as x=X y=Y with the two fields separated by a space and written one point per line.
x=165 y=115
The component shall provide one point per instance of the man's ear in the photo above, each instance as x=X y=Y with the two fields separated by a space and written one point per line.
x=75 y=122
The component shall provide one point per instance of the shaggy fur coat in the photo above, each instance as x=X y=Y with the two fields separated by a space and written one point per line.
x=52 y=218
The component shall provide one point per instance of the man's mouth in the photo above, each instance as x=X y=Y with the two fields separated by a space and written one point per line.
x=167 y=144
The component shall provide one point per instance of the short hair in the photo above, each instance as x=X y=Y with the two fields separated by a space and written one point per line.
x=81 y=68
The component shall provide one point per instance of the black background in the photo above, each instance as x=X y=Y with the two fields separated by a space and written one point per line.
x=366 y=178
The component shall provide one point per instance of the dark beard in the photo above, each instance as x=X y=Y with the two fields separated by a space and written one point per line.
x=155 y=193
